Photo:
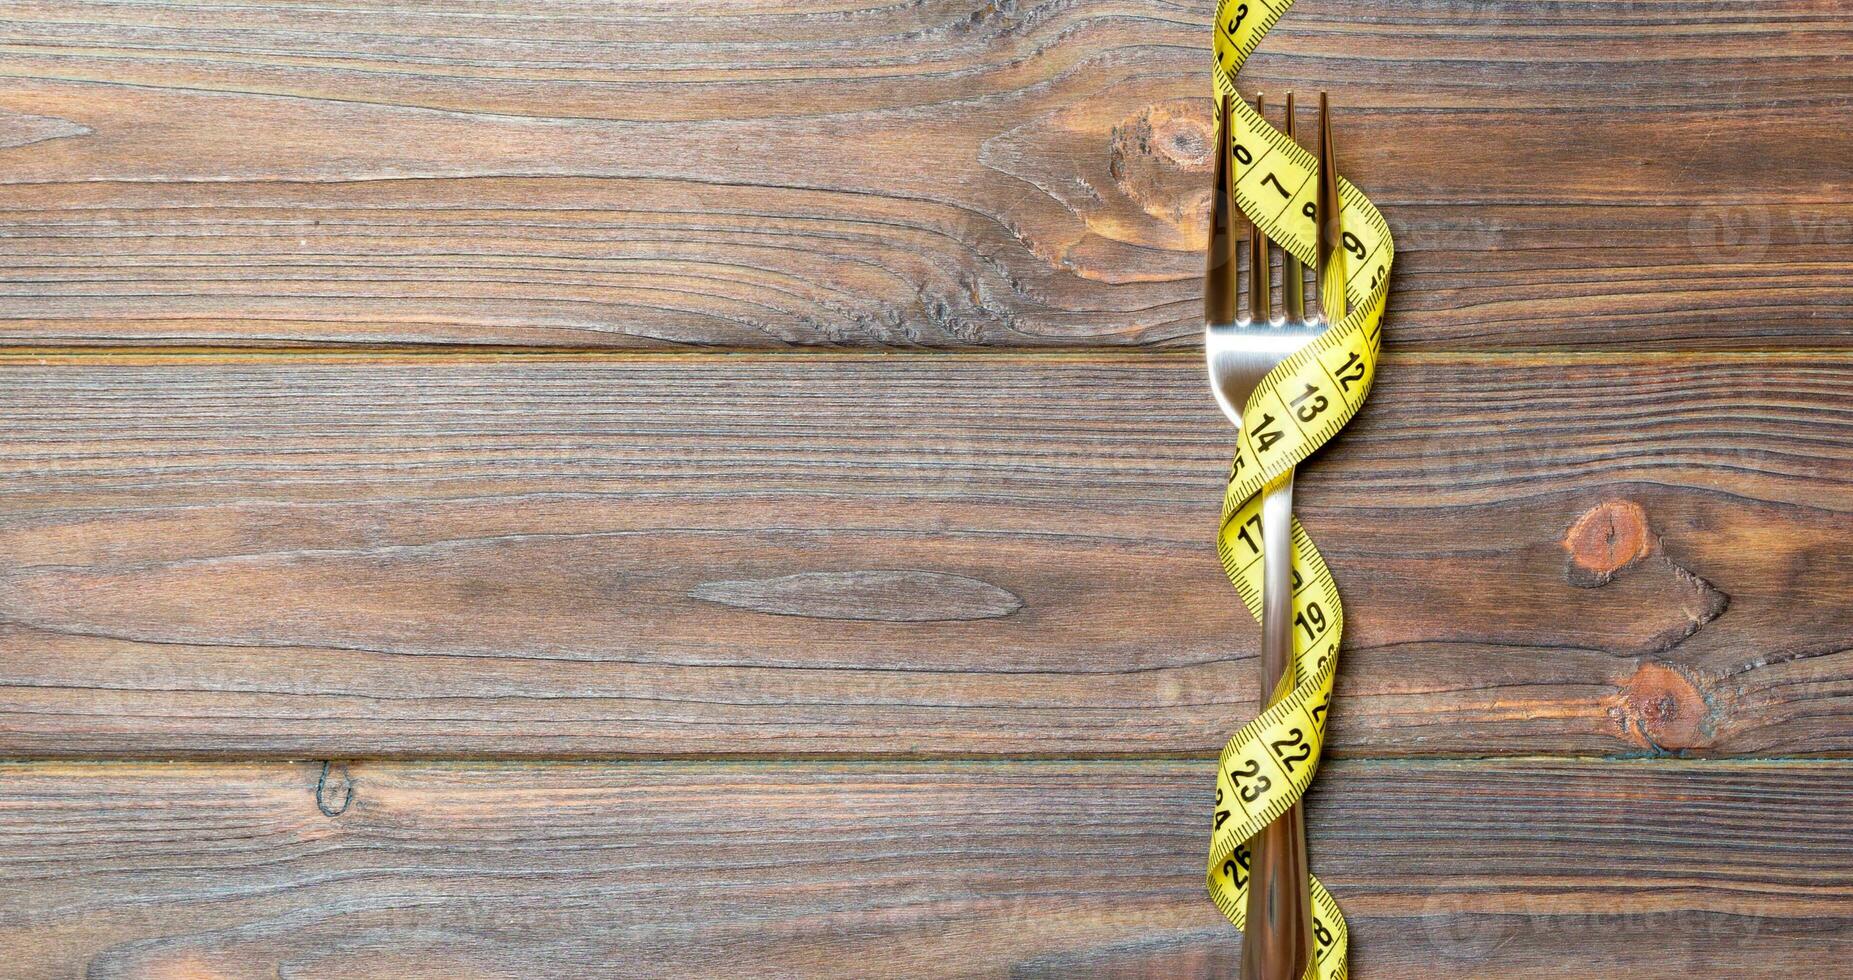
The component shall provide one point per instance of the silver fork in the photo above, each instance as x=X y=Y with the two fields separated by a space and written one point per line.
x=1241 y=349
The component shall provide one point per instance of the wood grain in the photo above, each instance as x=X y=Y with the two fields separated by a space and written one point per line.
x=838 y=566
x=940 y=174
x=1524 y=870
x=904 y=556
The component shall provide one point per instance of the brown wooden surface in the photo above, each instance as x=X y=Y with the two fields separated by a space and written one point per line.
x=713 y=555
x=947 y=173
x=1532 y=869
x=1593 y=519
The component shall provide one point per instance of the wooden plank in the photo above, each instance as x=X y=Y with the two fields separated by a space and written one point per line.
x=903 y=556
x=924 y=174
x=1524 y=870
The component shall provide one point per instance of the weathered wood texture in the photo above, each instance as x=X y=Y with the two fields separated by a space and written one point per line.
x=944 y=173
x=905 y=555
x=1520 y=871
x=291 y=555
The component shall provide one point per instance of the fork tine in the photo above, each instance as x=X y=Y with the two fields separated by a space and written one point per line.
x=1260 y=286
x=1329 y=251
x=1292 y=273
x=1219 y=294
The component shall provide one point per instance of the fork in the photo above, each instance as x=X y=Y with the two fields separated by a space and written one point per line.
x=1241 y=349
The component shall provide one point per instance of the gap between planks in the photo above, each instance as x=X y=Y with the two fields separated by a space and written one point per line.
x=919 y=760
x=439 y=354
x=910 y=763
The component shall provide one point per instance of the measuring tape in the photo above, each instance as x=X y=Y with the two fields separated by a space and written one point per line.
x=1268 y=763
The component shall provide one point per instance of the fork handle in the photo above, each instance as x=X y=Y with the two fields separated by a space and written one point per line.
x=1277 y=943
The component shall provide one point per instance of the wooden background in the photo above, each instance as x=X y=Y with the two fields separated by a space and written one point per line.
x=652 y=488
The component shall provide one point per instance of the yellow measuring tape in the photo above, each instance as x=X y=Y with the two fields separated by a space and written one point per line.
x=1303 y=402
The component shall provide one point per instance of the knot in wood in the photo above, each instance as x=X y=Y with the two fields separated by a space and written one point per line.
x=1608 y=538
x=1660 y=708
